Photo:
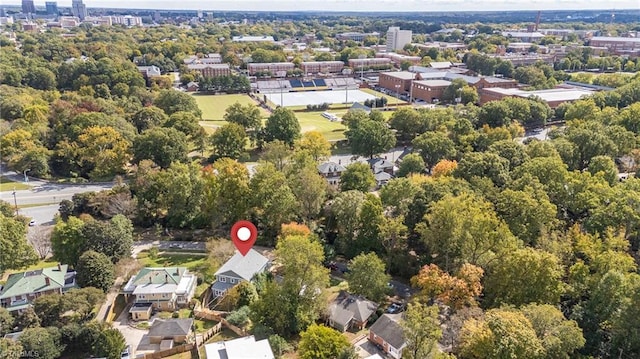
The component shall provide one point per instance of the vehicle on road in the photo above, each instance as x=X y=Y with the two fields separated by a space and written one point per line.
x=32 y=223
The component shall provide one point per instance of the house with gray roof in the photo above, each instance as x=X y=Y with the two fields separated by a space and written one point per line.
x=162 y=288
x=238 y=269
x=23 y=288
x=175 y=330
x=386 y=333
x=350 y=311
x=240 y=348
x=331 y=171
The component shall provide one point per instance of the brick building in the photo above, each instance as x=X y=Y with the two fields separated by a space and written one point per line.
x=272 y=67
x=399 y=82
x=314 y=67
x=210 y=70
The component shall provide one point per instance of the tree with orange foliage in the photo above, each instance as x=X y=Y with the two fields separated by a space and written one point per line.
x=294 y=229
x=444 y=168
x=455 y=291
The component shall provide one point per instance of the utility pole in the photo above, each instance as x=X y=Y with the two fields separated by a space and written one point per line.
x=15 y=201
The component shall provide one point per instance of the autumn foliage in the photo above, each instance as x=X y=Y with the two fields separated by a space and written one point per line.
x=444 y=168
x=456 y=291
x=294 y=229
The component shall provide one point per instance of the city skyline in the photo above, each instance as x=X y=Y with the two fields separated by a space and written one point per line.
x=359 y=5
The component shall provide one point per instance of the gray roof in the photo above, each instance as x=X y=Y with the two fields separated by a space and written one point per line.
x=170 y=327
x=387 y=328
x=244 y=267
x=382 y=176
x=329 y=167
x=347 y=306
x=222 y=286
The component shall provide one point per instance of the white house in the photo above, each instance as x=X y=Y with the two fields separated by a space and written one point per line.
x=237 y=269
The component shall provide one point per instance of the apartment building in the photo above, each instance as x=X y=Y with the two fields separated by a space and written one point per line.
x=210 y=70
x=398 y=59
x=272 y=67
x=314 y=67
x=618 y=45
x=397 y=39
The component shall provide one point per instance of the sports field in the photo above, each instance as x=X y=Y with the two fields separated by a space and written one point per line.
x=289 y=99
x=214 y=106
x=313 y=121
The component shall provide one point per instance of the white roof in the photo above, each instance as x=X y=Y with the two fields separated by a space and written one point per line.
x=244 y=267
x=374 y=356
x=241 y=348
x=440 y=64
x=552 y=95
x=153 y=288
x=186 y=282
x=434 y=83
x=616 y=39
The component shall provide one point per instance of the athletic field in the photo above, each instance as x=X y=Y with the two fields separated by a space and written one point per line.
x=303 y=98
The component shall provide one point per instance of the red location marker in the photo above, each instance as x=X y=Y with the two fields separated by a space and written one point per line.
x=244 y=234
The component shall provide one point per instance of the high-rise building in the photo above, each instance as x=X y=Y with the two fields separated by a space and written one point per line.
x=78 y=9
x=28 y=7
x=52 y=7
x=396 y=38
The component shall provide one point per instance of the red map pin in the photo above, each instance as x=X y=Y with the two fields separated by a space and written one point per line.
x=244 y=234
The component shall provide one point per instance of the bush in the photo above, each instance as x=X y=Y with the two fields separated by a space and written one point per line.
x=240 y=317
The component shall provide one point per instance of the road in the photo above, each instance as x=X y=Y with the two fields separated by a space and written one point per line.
x=43 y=215
x=49 y=193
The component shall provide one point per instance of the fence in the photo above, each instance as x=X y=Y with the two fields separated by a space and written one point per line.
x=169 y=352
x=211 y=332
x=217 y=316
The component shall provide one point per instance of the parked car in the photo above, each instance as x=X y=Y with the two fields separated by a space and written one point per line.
x=32 y=223
x=395 y=308
x=126 y=353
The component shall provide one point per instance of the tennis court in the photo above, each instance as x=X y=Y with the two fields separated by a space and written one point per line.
x=303 y=98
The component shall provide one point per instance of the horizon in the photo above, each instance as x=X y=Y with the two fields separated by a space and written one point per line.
x=361 y=6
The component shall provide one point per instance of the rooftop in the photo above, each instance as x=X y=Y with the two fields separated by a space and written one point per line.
x=434 y=83
x=241 y=348
x=387 y=328
x=170 y=327
x=403 y=75
x=553 y=95
x=244 y=267
x=34 y=281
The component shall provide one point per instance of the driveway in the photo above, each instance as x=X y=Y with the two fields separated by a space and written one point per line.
x=365 y=349
x=134 y=337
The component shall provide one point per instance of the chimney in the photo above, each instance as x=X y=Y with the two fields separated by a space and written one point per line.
x=166 y=278
x=47 y=281
x=150 y=280
x=59 y=267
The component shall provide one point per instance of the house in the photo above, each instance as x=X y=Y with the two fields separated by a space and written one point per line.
x=23 y=288
x=331 y=171
x=350 y=311
x=15 y=336
x=381 y=165
x=386 y=333
x=162 y=288
x=176 y=330
x=192 y=86
x=149 y=71
x=238 y=269
x=241 y=348
x=382 y=178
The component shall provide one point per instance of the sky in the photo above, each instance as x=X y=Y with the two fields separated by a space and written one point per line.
x=358 y=5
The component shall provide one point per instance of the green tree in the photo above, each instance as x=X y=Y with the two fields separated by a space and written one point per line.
x=172 y=101
x=110 y=344
x=229 y=141
x=560 y=337
x=103 y=152
x=44 y=341
x=501 y=334
x=185 y=122
x=10 y=348
x=320 y=342
x=370 y=138
x=314 y=143
x=273 y=201
x=527 y=213
x=149 y=117
x=464 y=229
x=27 y=319
x=540 y=270
x=421 y=331
x=277 y=152
x=40 y=78
x=15 y=252
x=408 y=122
x=67 y=240
x=484 y=164
x=357 y=176
x=95 y=270
x=227 y=192
x=282 y=125
x=411 y=164
x=162 y=146
x=113 y=238
x=310 y=190
x=368 y=277
x=6 y=322
x=605 y=167
x=434 y=146
x=248 y=117
x=397 y=194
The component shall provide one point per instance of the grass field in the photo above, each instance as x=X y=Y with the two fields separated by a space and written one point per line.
x=193 y=262
x=214 y=106
x=8 y=185
x=313 y=121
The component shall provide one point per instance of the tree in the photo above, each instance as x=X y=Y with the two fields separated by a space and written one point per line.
x=248 y=117
x=149 y=117
x=527 y=213
x=501 y=334
x=484 y=164
x=393 y=238
x=95 y=270
x=279 y=345
x=357 y=176
x=40 y=78
x=368 y=277
x=421 y=331
x=10 y=348
x=408 y=123
x=560 y=337
x=604 y=166
x=103 y=152
x=273 y=201
x=370 y=138
x=320 y=342
x=464 y=229
x=282 y=125
x=6 y=322
x=276 y=152
x=456 y=291
x=314 y=143
x=227 y=193
x=229 y=141
x=397 y=195
x=15 y=252
x=113 y=238
x=434 y=146
x=540 y=270
x=161 y=145
x=40 y=240
x=444 y=168
x=310 y=190
x=44 y=341
x=172 y=101
x=27 y=319
x=110 y=344
x=411 y=163
x=67 y=240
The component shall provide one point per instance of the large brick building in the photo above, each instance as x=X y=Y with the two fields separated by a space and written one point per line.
x=210 y=70
x=429 y=90
x=398 y=82
x=272 y=67
x=553 y=97
x=618 y=45
x=314 y=67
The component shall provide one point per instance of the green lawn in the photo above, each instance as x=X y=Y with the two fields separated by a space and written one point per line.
x=390 y=99
x=193 y=262
x=213 y=106
x=9 y=185
x=313 y=121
